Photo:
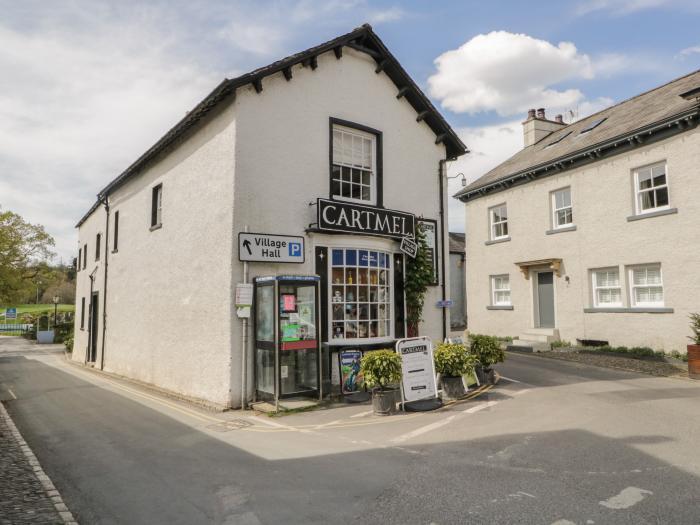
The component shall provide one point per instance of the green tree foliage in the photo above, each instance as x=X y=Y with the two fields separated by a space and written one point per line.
x=453 y=360
x=695 y=328
x=24 y=251
x=487 y=349
x=419 y=275
x=381 y=368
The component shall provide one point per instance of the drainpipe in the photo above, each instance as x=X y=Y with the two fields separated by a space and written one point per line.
x=105 y=202
x=441 y=173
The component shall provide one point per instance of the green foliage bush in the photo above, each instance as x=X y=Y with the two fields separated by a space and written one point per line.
x=453 y=360
x=381 y=368
x=695 y=328
x=561 y=344
x=68 y=342
x=486 y=349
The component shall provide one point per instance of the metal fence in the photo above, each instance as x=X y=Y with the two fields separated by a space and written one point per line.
x=16 y=328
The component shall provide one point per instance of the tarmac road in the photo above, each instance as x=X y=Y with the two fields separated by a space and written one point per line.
x=562 y=443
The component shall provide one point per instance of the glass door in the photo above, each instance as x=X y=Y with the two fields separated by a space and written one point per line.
x=265 y=339
x=298 y=338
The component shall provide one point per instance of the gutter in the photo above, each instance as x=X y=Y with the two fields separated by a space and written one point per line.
x=682 y=121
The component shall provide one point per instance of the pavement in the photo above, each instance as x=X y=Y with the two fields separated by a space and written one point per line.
x=554 y=443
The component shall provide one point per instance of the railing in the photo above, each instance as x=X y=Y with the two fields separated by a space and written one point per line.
x=16 y=328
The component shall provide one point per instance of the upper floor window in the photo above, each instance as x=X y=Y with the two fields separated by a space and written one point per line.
x=607 y=292
x=80 y=251
x=116 y=231
x=500 y=290
x=354 y=165
x=646 y=285
x=156 y=205
x=98 y=243
x=498 y=216
x=651 y=188
x=562 y=211
x=85 y=256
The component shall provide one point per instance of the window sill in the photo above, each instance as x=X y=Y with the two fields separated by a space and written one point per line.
x=375 y=341
x=497 y=241
x=651 y=214
x=571 y=228
x=156 y=227
x=500 y=307
x=640 y=310
x=115 y=251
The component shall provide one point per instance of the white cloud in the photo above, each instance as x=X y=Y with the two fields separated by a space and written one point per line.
x=689 y=51
x=619 y=7
x=392 y=14
x=508 y=73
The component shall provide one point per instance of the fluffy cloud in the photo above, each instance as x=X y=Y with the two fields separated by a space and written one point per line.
x=508 y=73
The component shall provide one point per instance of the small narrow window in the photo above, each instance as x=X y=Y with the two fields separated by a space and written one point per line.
x=651 y=188
x=156 y=205
x=646 y=286
x=82 y=313
x=607 y=292
x=500 y=290
x=562 y=211
x=85 y=252
x=98 y=243
x=80 y=252
x=499 y=222
x=116 y=231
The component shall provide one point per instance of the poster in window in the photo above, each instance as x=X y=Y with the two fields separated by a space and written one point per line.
x=429 y=227
x=289 y=302
x=350 y=374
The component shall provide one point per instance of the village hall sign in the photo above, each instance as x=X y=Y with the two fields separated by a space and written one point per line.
x=356 y=218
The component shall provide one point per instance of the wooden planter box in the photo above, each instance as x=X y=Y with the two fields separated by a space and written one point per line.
x=694 y=361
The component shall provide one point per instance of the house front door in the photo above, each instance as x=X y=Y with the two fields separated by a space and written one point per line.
x=545 y=300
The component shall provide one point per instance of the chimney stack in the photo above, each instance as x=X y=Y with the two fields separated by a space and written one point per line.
x=536 y=126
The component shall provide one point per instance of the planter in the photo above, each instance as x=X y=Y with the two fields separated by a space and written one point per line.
x=694 y=361
x=452 y=388
x=45 y=337
x=384 y=402
x=480 y=374
x=490 y=376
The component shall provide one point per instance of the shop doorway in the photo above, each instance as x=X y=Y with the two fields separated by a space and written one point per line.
x=94 y=317
x=544 y=300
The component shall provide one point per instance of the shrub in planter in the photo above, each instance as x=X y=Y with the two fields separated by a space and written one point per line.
x=694 y=349
x=488 y=352
x=452 y=361
x=382 y=371
x=68 y=341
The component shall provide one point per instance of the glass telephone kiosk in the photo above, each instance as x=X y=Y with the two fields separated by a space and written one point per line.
x=287 y=350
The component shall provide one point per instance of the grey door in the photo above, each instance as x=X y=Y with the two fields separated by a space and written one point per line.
x=545 y=299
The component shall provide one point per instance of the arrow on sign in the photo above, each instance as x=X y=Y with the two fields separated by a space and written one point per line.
x=246 y=245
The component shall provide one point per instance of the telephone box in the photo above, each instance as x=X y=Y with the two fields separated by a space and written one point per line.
x=287 y=351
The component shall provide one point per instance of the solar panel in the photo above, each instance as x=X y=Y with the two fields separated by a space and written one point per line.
x=592 y=125
x=558 y=140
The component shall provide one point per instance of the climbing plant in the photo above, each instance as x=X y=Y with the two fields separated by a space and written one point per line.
x=419 y=275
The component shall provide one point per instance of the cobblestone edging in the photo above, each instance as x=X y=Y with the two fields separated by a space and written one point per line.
x=27 y=495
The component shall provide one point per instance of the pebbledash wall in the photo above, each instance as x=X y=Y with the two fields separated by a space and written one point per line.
x=603 y=198
x=259 y=163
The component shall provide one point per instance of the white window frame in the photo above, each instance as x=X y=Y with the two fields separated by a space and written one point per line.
x=632 y=287
x=555 y=224
x=595 y=287
x=493 y=223
x=373 y=173
x=638 y=191
x=494 y=290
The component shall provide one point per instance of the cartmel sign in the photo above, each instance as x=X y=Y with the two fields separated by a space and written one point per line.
x=355 y=218
x=418 y=369
x=265 y=247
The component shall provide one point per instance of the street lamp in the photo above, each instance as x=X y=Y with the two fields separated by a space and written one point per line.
x=464 y=179
x=56 y=299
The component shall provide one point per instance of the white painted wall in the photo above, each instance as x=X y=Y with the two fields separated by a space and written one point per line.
x=602 y=196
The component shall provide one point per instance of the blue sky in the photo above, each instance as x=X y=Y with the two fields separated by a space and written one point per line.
x=87 y=86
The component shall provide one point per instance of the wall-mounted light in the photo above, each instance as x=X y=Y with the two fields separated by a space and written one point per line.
x=464 y=178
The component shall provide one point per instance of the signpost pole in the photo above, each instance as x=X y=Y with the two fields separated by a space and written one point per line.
x=244 y=345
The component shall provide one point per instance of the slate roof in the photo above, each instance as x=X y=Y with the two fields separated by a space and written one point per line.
x=457 y=244
x=362 y=39
x=636 y=117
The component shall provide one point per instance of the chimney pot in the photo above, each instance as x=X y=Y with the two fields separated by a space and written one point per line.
x=540 y=113
x=530 y=114
x=559 y=118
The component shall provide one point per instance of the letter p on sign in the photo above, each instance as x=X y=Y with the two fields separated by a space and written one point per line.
x=294 y=249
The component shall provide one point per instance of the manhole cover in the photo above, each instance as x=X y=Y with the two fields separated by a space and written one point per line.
x=227 y=426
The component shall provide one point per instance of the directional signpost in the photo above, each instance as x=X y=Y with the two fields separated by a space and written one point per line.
x=265 y=247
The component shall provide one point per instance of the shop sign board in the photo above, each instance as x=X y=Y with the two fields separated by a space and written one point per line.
x=429 y=228
x=351 y=378
x=357 y=218
x=418 y=368
x=445 y=303
x=10 y=313
x=266 y=247
x=409 y=247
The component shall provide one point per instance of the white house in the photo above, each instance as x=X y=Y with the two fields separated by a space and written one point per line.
x=335 y=146
x=591 y=231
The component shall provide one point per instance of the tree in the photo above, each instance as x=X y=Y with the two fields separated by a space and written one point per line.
x=419 y=275
x=25 y=249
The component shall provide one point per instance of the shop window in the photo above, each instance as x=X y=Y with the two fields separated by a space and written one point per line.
x=354 y=165
x=360 y=294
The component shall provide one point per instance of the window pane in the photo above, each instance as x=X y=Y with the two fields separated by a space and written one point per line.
x=644 y=178
x=346 y=174
x=335 y=187
x=337 y=258
x=639 y=276
x=356 y=191
x=659 y=169
x=356 y=176
x=662 y=197
x=653 y=276
x=365 y=178
x=364 y=258
x=660 y=180
x=646 y=200
x=367 y=151
x=351 y=257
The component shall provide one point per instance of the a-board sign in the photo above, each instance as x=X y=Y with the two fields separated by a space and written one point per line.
x=351 y=378
x=267 y=247
x=357 y=218
x=418 y=368
x=409 y=247
x=11 y=313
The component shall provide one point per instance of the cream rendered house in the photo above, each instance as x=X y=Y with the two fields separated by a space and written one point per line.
x=335 y=147
x=592 y=230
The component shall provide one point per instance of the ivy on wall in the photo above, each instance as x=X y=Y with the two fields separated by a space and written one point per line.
x=419 y=275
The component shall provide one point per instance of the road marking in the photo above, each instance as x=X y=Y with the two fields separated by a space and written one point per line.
x=625 y=499
x=519 y=392
x=329 y=424
x=12 y=393
x=511 y=380
x=362 y=414
x=480 y=406
x=422 y=430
